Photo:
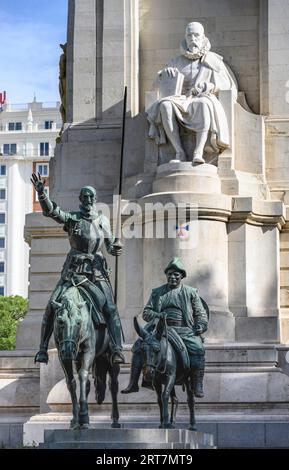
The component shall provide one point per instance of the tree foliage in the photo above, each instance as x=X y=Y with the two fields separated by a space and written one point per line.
x=12 y=311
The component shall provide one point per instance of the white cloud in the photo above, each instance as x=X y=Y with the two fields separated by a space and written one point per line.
x=29 y=60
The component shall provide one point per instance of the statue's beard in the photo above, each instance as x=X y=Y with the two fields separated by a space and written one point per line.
x=195 y=48
x=87 y=209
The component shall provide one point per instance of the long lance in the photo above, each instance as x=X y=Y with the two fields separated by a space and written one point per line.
x=118 y=220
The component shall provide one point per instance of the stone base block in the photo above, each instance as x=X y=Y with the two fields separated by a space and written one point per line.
x=182 y=176
x=125 y=438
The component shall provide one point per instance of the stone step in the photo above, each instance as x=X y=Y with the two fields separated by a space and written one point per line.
x=116 y=445
x=126 y=438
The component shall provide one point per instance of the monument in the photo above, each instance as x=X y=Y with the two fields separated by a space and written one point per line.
x=237 y=200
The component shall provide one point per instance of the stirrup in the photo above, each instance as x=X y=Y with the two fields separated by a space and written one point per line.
x=117 y=357
x=41 y=356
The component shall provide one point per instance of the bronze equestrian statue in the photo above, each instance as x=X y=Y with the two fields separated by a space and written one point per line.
x=85 y=266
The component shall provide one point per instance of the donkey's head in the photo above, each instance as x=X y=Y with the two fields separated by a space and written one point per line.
x=152 y=351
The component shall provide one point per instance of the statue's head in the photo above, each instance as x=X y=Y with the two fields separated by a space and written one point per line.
x=175 y=272
x=87 y=198
x=195 y=37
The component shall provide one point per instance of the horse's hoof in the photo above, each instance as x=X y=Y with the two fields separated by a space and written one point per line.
x=115 y=425
x=192 y=427
x=161 y=426
x=168 y=426
x=84 y=426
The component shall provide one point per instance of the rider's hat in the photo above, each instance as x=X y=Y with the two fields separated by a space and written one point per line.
x=177 y=265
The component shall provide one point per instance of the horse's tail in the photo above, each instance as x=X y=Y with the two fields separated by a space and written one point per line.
x=100 y=368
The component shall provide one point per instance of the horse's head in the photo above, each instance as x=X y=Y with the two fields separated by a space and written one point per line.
x=151 y=348
x=68 y=327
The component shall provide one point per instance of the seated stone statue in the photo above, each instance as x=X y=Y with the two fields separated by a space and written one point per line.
x=196 y=108
x=186 y=319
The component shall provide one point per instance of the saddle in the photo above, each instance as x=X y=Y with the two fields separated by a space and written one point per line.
x=179 y=347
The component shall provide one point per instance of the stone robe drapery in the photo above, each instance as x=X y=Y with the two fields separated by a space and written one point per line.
x=197 y=113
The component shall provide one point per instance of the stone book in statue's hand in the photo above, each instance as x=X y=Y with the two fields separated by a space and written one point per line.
x=170 y=84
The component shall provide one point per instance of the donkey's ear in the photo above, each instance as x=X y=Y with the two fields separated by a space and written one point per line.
x=160 y=328
x=55 y=304
x=139 y=329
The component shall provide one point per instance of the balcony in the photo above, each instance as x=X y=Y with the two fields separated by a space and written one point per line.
x=29 y=154
x=56 y=126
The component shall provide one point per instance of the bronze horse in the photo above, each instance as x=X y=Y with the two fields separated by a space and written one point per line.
x=161 y=367
x=79 y=342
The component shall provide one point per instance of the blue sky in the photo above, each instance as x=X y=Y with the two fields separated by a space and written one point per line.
x=30 y=34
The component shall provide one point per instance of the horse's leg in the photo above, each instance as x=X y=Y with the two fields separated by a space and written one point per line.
x=158 y=388
x=174 y=406
x=165 y=399
x=113 y=386
x=85 y=362
x=101 y=365
x=191 y=402
x=67 y=367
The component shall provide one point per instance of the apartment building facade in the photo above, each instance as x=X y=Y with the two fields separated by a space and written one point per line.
x=27 y=141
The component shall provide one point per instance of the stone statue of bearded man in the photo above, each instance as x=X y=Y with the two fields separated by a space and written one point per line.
x=197 y=107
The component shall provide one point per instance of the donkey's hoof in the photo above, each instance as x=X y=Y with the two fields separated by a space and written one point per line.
x=192 y=427
x=115 y=425
x=74 y=426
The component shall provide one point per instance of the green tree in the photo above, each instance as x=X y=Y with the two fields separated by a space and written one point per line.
x=12 y=311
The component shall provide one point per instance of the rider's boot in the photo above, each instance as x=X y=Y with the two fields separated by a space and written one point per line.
x=198 y=377
x=135 y=371
x=46 y=332
x=114 y=327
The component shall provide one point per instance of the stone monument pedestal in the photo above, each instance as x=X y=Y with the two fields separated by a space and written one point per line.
x=127 y=438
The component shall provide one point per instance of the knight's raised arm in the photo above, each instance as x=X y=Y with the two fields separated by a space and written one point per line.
x=49 y=208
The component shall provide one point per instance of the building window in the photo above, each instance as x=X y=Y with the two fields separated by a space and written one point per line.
x=2 y=170
x=43 y=169
x=48 y=124
x=2 y=267
x=2 y=291
x=44 y=149
x=9 y=149
x=2 y=242
x=2 y=194
x=2 y=218
x=15 y=126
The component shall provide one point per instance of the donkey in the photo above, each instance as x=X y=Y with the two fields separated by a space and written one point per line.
x=161 y=368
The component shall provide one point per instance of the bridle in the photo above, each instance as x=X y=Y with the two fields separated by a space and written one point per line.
x=156 y=366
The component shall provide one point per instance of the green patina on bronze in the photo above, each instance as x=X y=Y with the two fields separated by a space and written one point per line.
x=85 y=270
x=175 y=310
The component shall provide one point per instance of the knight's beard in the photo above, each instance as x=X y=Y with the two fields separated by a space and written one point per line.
x=87 y=209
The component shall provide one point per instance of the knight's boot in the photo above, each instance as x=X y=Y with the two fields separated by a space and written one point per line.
x=135 y=371
x=198 y=377
x=46 y=332
x=114 y=327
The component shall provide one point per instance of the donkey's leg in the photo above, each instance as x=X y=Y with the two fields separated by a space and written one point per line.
x=191 y=402
x=174 y=406
x=165 y=399
x=67 y=367
x=158 y=388
x=113 y=386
